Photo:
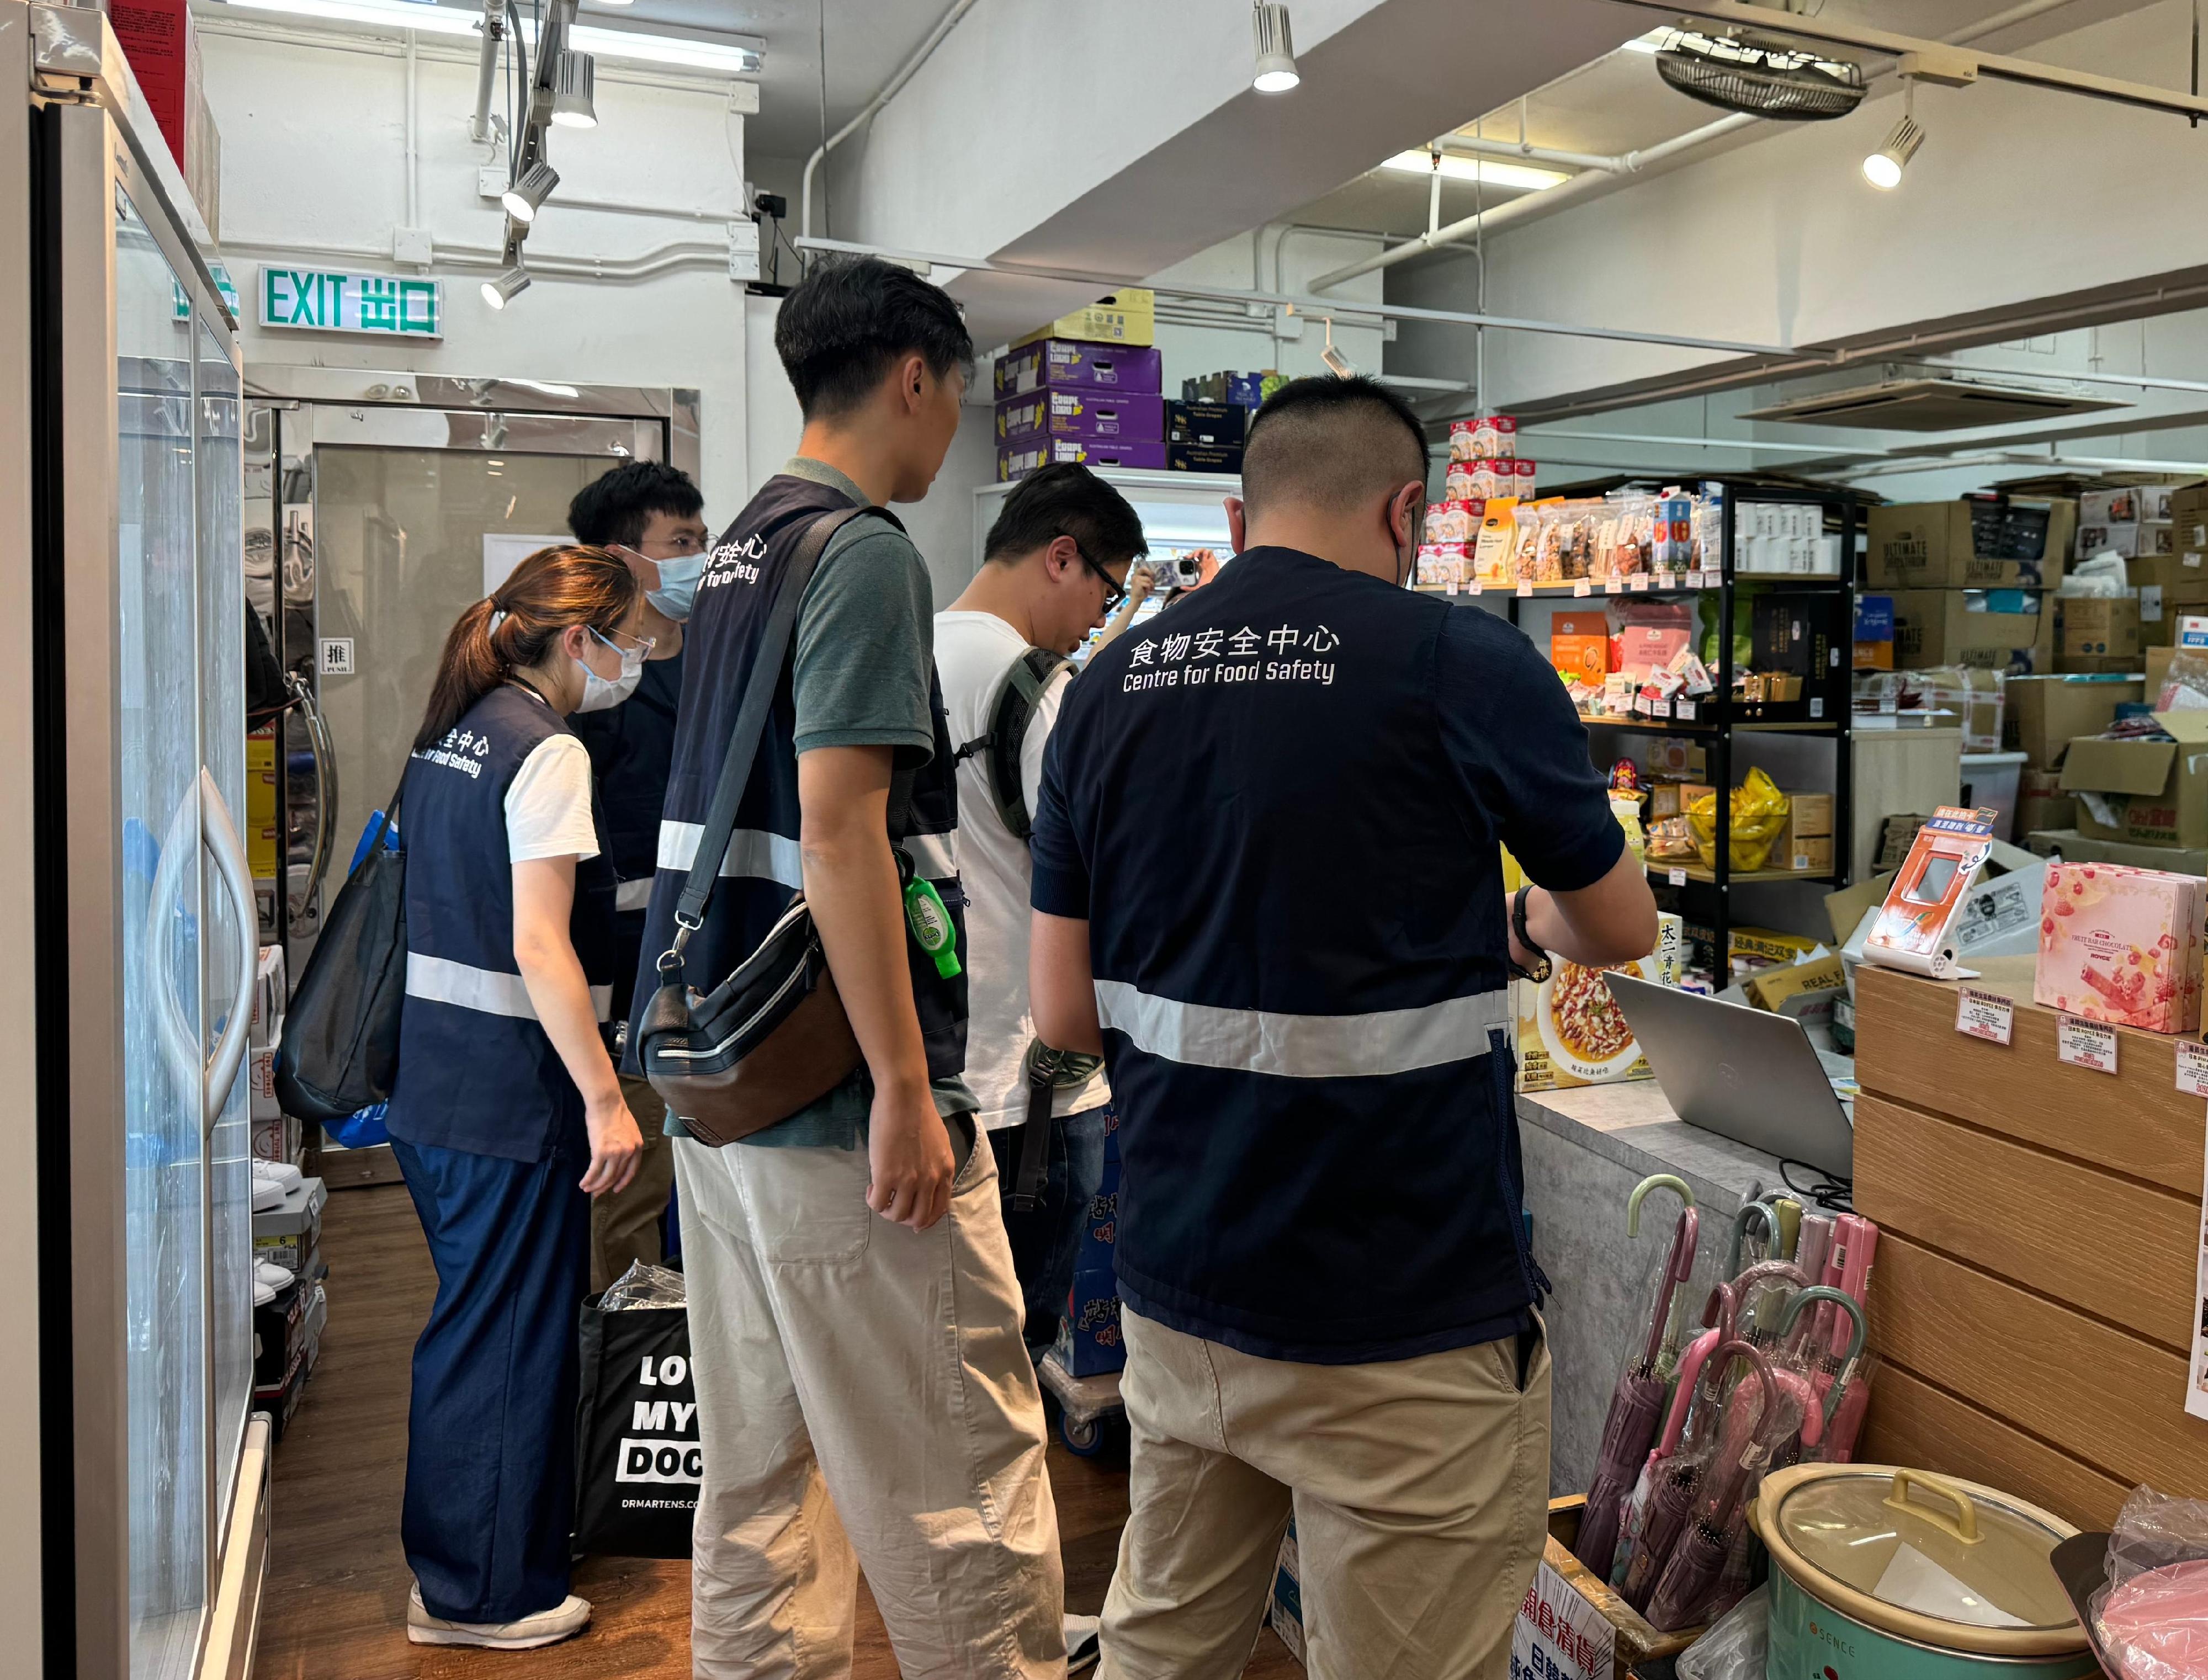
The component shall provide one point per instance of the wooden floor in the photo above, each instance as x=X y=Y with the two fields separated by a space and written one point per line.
x=335 y=1607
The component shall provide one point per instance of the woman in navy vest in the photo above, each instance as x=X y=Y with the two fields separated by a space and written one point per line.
x=508 y=1117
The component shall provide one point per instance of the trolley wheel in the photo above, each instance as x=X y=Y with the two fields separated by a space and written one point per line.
x=1084 y=1439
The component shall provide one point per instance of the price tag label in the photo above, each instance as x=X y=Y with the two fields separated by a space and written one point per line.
x=1639 y=583
x=1985 y=1015
x=1612 y=587
x=2193 y=1068
x=1684 y=710
x=2091 y=1044
x=1676 y=877
x=1450 y=586
x=1476 y=586
x=1817 y=707
x=1698 y=580
x=1581 y=589
x=1525 y=587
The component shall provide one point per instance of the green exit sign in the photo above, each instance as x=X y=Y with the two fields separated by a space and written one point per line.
x=318 y=300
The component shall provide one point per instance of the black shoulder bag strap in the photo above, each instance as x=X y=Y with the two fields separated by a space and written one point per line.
x=750 y=726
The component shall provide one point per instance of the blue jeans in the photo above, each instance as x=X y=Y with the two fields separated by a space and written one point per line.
x=1046 y=1240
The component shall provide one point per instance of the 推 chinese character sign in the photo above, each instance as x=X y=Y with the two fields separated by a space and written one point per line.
x=381 y=305
x=1560 y=1636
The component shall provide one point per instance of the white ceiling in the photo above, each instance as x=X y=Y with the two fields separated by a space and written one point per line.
x=1619 y=103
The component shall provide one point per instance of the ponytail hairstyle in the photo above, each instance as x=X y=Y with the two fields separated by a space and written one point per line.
x=516 y=626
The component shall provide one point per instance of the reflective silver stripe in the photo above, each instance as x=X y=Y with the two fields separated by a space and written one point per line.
x=751 y=852
x=1303 y=1047
x=935 y=856
x=636 y=895
x=486 y=991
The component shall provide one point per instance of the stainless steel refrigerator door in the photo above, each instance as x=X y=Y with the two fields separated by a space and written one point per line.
x=158 y=904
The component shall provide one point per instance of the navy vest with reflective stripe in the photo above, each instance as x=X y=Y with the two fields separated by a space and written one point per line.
x=1296 y=924
x=475 y=1069
x=760 y=873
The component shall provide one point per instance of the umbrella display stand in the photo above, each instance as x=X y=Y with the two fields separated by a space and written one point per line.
x=1639 y=1646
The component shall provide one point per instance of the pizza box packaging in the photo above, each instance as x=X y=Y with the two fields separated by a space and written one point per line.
x=1547 y=1059
x=2121 y=945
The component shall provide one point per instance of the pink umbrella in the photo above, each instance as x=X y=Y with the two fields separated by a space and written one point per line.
x=1637 y=1403
x=1743 y=1448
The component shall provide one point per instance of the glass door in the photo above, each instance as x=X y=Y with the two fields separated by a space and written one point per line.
x=158 y=918
x=166 y=1357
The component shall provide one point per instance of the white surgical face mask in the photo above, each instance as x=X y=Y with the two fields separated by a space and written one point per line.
x=599 y=694
x=678 y=586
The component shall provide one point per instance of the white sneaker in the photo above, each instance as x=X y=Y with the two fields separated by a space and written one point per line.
x=547 y=1627
x=1081 y=1647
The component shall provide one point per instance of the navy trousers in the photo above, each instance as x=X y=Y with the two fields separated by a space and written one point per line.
x=1046 y=1240
x=490 y=1449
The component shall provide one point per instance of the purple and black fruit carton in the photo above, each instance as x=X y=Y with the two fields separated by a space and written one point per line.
x=1050 y=364
x=1017 y=460
x=1102 y=417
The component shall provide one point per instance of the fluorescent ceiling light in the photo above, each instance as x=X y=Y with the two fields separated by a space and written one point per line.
x=728 y=57
x=1488 y=171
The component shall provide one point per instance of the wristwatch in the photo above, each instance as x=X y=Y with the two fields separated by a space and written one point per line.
x=1542 y=967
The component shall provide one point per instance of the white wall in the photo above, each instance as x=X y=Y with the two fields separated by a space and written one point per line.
x=314 y=174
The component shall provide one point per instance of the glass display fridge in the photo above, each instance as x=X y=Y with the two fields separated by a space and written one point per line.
x=138 y=1501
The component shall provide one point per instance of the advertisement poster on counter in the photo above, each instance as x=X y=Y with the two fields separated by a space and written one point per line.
x=1560 y=1636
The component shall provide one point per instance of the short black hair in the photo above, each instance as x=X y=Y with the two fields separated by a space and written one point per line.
x=1066 y=499
x=616 y=508
x=846 y=323
x=1334 y=443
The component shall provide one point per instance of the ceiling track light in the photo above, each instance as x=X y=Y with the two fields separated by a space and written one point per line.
x=1275 y=69
x=574 y=79
x=1882 y=169
x=526 y=197
x=502 y=289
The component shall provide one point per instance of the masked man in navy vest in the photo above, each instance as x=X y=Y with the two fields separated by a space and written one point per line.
x=1268 y=889
x=864 y=1400
x=653 y=516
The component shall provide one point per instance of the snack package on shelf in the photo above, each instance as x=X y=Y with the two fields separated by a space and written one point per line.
x=2121 y=945
x=1625 y=538
x=1495 y=553
x=1652 y=634
x=1445 y=563
x=1756 y=811
x=1578 y=647
x=1539 y=561
x=1454 y=521
x=1485 y=437
x=1917 y=928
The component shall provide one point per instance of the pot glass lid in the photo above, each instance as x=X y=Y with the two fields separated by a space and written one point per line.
x=1923 y=1545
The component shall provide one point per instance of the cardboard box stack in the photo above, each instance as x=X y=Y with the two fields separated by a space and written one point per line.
x=1088 y=388
x=2173 y=583
x=1089 y=1343
x=2045 y=714
x=1968 y=581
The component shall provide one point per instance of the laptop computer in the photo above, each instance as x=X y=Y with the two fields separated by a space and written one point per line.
x=1743 y=1073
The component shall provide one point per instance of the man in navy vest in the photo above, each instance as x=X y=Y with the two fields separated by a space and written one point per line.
x=1267 y=888
x=653 y=516
x=864 y=1398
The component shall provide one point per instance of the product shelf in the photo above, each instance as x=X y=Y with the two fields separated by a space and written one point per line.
x=1661 y=583
x=1702 y=874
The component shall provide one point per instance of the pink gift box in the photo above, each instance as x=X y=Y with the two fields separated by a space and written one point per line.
x=2121 y=945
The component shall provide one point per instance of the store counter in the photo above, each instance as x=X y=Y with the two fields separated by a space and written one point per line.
x=1585 y=1150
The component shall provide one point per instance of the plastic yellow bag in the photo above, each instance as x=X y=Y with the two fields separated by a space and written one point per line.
x=1758 y=814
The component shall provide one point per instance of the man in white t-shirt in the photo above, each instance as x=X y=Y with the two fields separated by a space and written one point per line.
x=1055 y=565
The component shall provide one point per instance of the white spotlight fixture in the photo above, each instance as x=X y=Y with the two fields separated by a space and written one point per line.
x=1882 y=169
x=575 y=79
x=526 y=197
x=503 y=289
x=1276 y=53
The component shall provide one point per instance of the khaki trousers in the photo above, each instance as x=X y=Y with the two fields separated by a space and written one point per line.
x=1419 y=1489
x=864 y=1402
x=625 y=1223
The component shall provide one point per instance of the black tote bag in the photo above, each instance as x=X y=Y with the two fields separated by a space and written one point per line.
x=637 y=1463
x=339 y=1051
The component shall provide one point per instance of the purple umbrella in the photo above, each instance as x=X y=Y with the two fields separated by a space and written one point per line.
x=1637 y=1403
x=1720 y=1513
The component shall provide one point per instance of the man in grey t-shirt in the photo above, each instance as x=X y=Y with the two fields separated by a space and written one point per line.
x=864 y=1399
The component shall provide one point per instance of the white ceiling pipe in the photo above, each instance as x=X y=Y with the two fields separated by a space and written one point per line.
x=889 y=88
x=1474 y=145
x=1503 y=214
